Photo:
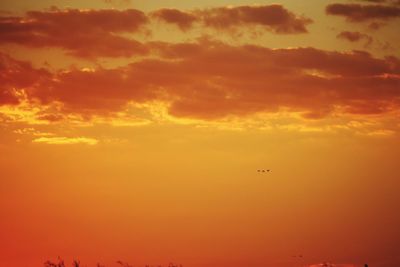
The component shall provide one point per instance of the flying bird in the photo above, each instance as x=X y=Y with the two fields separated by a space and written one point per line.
x=262 y=170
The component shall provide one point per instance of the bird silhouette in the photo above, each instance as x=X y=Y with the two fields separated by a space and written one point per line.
x=298 y=256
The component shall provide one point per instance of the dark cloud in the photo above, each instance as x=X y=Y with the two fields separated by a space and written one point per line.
x=362 y=13
x=274 y=17
x=102 y=33
x=390 y=2
x=211 y=80
x=184 y=20
x=373 y=1
x=83 y=33
x=16 y=76
x=355 y=37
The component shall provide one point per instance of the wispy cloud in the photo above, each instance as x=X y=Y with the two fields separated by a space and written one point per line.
x=355 y=37
x=59 y=140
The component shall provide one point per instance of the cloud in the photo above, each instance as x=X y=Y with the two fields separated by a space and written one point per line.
x=118 y=2
x=8 y=97
x=65 y=140
x=363 y=13
x=15 y=76
x=274 y=18
x=83 y=33
x=355 y=37
x=184 y=20
x=102 y=33
x=32 y=131
x=211 y=80
x=390 y=2
x=381 y=133
x=374 y=1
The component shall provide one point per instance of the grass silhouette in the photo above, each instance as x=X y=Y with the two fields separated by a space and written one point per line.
x=76 y=263
x=61 y=263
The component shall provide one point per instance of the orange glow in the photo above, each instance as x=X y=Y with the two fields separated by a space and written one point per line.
x=132 y=132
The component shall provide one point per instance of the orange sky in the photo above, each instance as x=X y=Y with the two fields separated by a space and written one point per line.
x=133 y=131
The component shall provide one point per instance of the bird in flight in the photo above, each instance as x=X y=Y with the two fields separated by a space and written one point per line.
x=262 y=170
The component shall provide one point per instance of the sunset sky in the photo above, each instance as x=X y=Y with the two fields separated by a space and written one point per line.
x=132 y=130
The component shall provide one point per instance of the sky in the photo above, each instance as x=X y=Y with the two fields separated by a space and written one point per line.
x=133 y=132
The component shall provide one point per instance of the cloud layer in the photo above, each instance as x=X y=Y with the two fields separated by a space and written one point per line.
x=204 y=79
x=16 y=76
x=274 y=18
x=108 y=32
x=363 y=13
x=83 y=33
x=210 y=79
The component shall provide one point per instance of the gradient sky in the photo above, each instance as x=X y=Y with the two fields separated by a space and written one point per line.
x=133 y=131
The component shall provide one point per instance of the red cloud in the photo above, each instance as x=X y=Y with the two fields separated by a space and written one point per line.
x=97 y=33
x=15 y=76
x=393 y=2
x=183 y=20
x=84 y=33
x=360 y=13
x=274 y=17
x=211 y=80
x=355 y=37
x=373 y=1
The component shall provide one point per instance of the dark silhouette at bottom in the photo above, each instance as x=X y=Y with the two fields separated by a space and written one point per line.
x=76 y=263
